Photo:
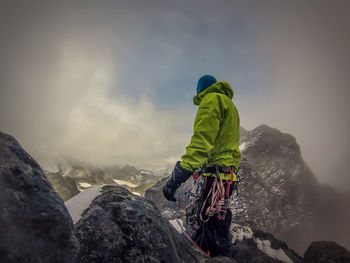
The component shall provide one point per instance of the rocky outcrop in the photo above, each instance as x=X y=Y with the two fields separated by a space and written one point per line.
x=35 y=226
x=325 y=252
x=280 y=195
x=275 y=184
x=252 y=245
x=66 y=186
x=122 y=227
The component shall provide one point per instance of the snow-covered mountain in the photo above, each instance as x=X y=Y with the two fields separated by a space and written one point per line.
x=278 y=193
x=69 y=177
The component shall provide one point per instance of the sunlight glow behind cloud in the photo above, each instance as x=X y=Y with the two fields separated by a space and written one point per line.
x=100 y=128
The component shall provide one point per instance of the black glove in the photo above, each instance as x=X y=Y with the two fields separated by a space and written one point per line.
x=178 y=176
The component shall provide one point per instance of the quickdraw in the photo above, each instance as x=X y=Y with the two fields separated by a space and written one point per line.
x=194 y=194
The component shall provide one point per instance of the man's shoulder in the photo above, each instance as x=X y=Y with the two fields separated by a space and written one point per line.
x=214 y=97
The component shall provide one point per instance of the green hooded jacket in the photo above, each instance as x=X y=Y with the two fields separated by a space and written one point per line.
x=215 y=137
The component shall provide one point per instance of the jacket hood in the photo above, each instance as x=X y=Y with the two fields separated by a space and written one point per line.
x=222 y=87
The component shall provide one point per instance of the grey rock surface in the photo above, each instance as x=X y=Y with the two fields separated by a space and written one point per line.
x=326 y=252
x=34 y=223
x=280 y=194
x=65 y=186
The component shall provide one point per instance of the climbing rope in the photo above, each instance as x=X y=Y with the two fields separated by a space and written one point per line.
x=217 y=199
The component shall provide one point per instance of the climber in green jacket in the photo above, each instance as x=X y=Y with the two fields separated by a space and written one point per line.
x=214 y=153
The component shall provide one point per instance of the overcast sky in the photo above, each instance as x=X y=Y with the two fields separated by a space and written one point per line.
x=112 y=81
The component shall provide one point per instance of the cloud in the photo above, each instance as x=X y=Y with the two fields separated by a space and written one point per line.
x=120 y=130
x=79 y=118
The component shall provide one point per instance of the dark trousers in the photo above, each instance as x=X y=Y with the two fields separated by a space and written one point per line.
x=213 y=236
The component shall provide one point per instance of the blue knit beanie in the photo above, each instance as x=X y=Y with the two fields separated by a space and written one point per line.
x=205 y=82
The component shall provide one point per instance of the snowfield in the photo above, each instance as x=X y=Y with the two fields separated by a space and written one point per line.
x=146 y=172
x=84 y=185
x=175 y=225
x=265 y=246
x=239 y=233
x=79 y=203
x=242 y=146
x=121 y=182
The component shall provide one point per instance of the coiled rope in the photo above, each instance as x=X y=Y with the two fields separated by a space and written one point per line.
x=217 y=194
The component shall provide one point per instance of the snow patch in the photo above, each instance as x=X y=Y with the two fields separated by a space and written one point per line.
x=136 y=193
x=79 y=203
x=176 y=225
x=242 y=146
x=85 y=185
x=265 y=247
x=239 y=233
x=121 y=182
x=146 y=172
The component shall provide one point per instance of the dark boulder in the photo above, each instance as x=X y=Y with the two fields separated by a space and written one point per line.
x=35 y=226
x=326 y=252
x=122 y=227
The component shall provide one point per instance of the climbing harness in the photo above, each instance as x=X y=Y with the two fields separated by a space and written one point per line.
x=217 y=201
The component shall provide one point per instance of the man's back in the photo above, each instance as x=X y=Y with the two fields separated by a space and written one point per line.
x=215 y=137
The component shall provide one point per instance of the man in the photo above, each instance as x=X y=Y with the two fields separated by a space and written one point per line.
x=214 y=148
